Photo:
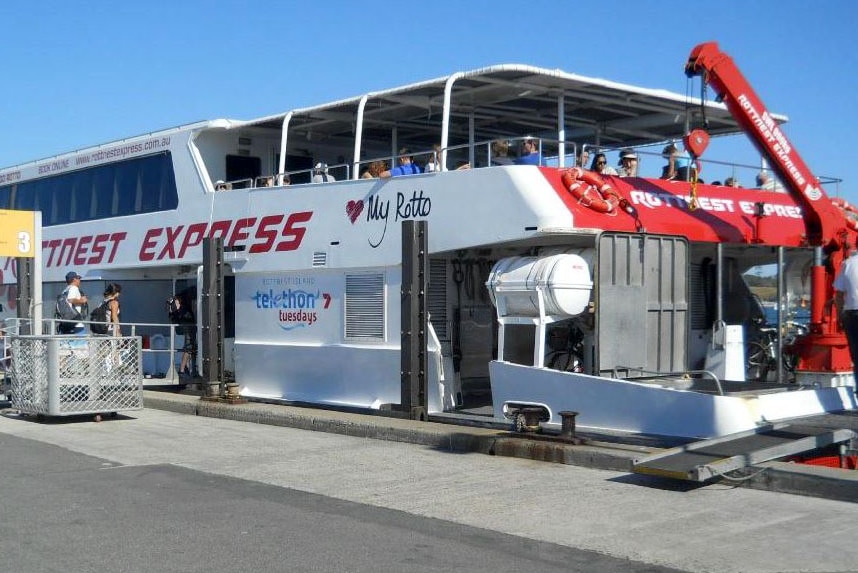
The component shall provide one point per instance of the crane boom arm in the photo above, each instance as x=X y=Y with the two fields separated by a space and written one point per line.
x=824 y=221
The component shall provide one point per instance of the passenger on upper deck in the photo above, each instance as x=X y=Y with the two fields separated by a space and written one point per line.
x=500 y=152
x=374 y=170
x=731 y=182
x=767 y=183
x=529 y=152
x=221 y=186
x=405 y=167
x=583 y=157
x=677 y=163
x=434 y=163
x=628 y=163
x=600 y=165
x=320 y=174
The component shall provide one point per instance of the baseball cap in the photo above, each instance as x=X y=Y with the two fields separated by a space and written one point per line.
x=71 y=275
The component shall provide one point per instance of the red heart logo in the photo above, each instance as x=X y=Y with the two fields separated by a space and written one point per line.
x=353 y=210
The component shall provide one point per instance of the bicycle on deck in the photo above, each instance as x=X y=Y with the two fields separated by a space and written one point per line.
x=762 y=351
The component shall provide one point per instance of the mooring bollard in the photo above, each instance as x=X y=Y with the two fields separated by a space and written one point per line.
x=567 y=425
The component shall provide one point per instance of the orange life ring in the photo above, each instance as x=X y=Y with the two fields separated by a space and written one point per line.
x=590 y=190
x=850 y=212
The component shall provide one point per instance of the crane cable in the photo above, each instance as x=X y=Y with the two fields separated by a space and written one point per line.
x=693 y=203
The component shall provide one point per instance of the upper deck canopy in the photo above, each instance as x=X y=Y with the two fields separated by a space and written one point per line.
x=512 y=99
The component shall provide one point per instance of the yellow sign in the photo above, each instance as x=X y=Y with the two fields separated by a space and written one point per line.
x=17 y=233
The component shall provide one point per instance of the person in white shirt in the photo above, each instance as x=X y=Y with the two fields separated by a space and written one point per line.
x=628 y=164
x=764 y=181
x=600 y=165
x=846 y=302
x=76 y=298
x=321 y=175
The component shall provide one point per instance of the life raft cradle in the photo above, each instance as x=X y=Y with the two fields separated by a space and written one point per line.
x=712 y=458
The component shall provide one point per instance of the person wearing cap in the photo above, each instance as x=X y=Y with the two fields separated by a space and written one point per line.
x=321 y=175
x=76 y=298
x=628 y=164
x=529 y=152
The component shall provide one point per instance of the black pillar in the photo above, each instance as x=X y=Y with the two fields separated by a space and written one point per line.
x=414 y=318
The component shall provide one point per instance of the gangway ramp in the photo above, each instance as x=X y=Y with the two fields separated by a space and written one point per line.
x=708 y=459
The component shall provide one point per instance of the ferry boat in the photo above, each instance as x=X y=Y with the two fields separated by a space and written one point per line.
x=550 y=288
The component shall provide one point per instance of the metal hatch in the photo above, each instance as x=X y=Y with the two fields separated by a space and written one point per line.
x=708 y=459
x=642 y=303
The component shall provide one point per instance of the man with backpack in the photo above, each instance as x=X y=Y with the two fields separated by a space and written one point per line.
x=71 y=306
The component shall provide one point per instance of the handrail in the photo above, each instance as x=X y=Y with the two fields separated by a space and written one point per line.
x=615 y=372
x=131 y=327
x=281 y=178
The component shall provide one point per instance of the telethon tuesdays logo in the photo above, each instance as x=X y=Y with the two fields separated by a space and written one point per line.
x=294 y=308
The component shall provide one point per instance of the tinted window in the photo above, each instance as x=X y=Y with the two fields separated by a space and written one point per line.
x=142 y=185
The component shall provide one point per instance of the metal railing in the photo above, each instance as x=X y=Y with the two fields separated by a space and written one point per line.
x=161 y=346
x=60 y=375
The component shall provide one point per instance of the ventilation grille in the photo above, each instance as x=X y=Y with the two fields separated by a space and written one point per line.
x=320 y=259
x=437 y=303
x=365 y=306
x=698 y=302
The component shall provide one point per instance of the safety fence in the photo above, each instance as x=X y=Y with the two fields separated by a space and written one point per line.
x=61 y=375
x=163 y=347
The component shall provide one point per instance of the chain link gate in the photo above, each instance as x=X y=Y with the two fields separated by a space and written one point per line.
x=66 y=375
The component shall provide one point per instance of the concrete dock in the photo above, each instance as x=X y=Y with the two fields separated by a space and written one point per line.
x=597 y=452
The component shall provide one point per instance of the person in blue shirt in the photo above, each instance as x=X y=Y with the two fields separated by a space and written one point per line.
x=406 y=166
x=529 y=152
x=678 y=163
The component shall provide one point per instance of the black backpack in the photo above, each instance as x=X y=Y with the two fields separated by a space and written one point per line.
x=68 y=315
x=100 y=317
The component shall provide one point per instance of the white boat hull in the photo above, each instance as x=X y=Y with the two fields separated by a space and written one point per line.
x=616 y=405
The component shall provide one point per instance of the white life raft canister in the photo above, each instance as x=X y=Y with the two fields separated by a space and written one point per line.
x=564 y=280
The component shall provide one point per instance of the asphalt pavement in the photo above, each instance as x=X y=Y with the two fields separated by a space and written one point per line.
x=161 y=491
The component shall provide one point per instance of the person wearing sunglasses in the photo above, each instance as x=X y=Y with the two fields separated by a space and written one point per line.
x=600 y=165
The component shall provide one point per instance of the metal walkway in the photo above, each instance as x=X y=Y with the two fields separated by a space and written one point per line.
x=708 y=459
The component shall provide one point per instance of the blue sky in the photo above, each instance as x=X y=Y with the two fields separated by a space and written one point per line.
x=79 y=74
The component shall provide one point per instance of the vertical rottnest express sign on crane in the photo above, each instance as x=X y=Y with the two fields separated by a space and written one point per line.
x=17 y=233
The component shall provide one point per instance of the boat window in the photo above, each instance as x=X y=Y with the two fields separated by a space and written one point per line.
x=240 y=168
x=143 y=185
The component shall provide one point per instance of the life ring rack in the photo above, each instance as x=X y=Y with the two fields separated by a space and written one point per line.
x=591 y=190
x=850 y=212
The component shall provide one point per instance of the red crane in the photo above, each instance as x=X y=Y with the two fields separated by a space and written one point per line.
x=825 y=348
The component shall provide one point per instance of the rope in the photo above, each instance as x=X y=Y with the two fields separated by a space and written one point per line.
x=743 y=478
